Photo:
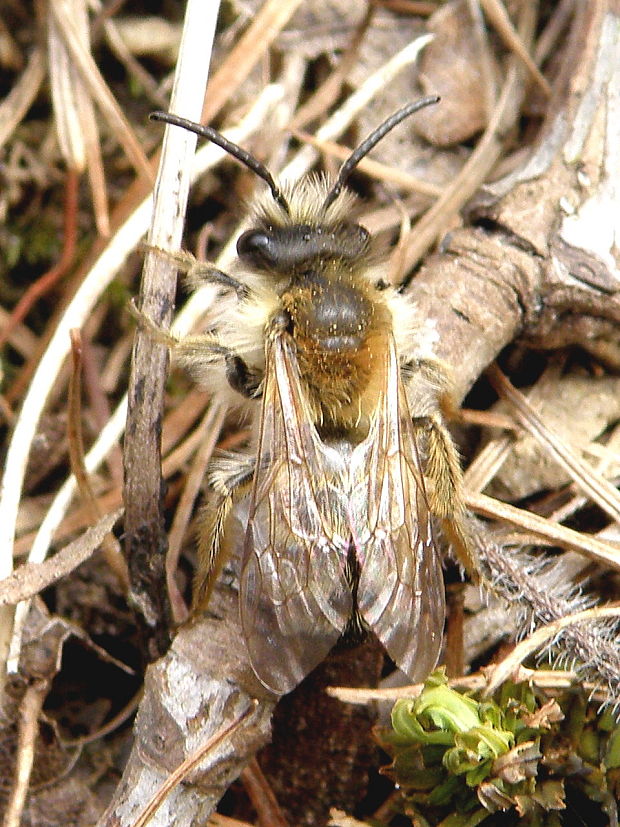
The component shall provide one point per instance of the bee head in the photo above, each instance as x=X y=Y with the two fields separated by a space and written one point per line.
x=292 y=247
x=303 y=234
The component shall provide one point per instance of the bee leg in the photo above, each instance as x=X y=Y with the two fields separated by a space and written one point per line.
x=197 y=272
x=157 y=333
x=227 y=489
x=445 y=489
x=242 y=378
x=196 y=353
x=429 y=391
x=444 y=470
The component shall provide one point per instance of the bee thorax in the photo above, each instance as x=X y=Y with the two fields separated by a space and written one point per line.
x=338 y=329
x=335 y=317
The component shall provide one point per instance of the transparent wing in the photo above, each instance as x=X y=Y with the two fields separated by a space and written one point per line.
x=401 y=591
x=295 y=601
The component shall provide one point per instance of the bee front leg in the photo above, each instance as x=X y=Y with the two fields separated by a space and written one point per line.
x=200 y=272
x=231 y=480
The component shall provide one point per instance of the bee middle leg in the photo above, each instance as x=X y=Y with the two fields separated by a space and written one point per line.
x=199 y=352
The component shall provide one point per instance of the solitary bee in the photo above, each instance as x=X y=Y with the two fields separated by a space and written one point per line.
x=352 y=459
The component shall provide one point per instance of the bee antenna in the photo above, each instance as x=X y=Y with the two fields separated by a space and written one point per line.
x=371 y=141
x=242 y=155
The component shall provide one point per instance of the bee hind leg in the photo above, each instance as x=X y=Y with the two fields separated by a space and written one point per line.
x=231 y=479
x=429 y=391
x=445 y=490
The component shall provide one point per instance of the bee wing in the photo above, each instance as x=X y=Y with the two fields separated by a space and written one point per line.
x=401 y=591
x=295 y=601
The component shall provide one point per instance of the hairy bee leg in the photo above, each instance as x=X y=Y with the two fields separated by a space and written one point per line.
x=212 y=524
x=445 y=492
x=430 y=389
x=157 y=333
x=188 y=350
x=193 y=351
x=197 y=272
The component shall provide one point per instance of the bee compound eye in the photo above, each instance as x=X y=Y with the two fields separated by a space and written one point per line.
x=256 y=247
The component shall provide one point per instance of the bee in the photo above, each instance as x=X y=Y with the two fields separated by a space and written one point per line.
x=354 y=467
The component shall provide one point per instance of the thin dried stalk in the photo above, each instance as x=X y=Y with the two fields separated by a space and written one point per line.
x=30 y=710
x=327 y=94
x=585 y=476
x=31 y=578
x=265 y=27
x=20 y=98
x=262 y=797
x=546 y=679
x=489 y=82
x=498 y=16
x=481 y=161
x=539 y=588
x=355 y=103
x=604 y=554
x=209 y=430
x=374 y=169
x=544 y=636
x=109 y=543
x=83 y=62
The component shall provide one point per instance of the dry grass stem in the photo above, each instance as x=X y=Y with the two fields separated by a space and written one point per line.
x=218 y=820
x=342 y=117
x=84 y=63
x=270 y=20
x=327 y=94
x=585 y=476
x=426 y=231
x=21 y=337
x=31 y=578
x=109 y=543
x=20 y=98
x=541 y=637
x=546 y=679
x=373 y=169
x=30 y=710
x=558 y=22
x=489 y=82
x=602 y=553
x=262 y=797
x=134 y=67
x=208 y=430
x=498 y=16
x=487 y=463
